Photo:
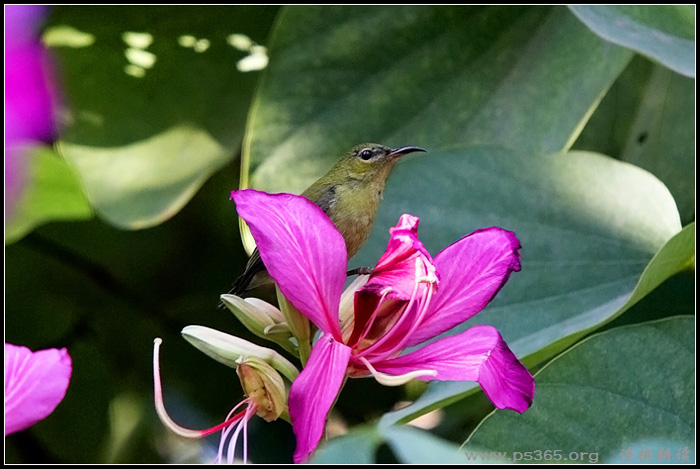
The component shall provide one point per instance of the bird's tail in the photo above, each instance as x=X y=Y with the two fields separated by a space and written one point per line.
x=239 y=286
x=245 y=280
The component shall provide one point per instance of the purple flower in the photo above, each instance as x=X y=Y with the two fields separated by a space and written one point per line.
x=409 y=298
x=35 y=383
x=29 y=93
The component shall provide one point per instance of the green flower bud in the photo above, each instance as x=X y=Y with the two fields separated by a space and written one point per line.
x=231 y=350
x=298 y=324
x=262 y=319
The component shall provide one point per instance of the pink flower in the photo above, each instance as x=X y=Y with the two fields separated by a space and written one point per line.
x=409 y=298
x=35 y=383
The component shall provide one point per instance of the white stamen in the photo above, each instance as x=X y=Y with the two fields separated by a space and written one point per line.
x=398 y=380
x=394 y=329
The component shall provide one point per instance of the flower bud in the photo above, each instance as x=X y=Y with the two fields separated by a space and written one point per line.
x=262 y=319
x=298 y=325
x=231 y=350
x=265 y=386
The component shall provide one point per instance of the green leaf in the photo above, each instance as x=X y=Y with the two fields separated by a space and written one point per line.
x=523 y=77
x=662 y=136
x=414 y=446
x=648 y=119
x=627 y=389
x=49 y=190
x=665 y=33
x=357 y=447
x=155 y=100
x=589 y=227
x=409 y=445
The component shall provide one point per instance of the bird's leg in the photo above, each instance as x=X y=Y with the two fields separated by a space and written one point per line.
x=360 y=271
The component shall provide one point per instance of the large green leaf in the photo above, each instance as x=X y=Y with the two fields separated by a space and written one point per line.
x=619 y=395
x=155 y=100
x=47 y=190
x=357 y=447
x=589 y=227
x=648 y=119
x=662 y=136
x=523 y=77
x=665 y=33
x=408 y=444
x=413 y=446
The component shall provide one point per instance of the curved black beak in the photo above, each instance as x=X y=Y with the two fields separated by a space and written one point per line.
x=404 y=151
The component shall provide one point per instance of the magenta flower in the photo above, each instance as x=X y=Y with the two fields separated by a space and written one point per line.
x=35 y=383
x=409 y=298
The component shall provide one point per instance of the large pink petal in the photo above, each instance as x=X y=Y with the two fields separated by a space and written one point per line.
x=471 y=271
x=477 y=354
x=302 y=250
x=35 y=383
x=313 y=393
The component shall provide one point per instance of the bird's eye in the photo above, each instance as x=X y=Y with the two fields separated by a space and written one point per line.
x=366 y=154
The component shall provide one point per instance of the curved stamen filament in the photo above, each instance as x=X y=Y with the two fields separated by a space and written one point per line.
x=422 y=310
x=163 y=414
x=395 y=328
x=423 y=303
x=396 y=380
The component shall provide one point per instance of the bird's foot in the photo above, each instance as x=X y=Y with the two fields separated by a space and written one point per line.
x=360 y=271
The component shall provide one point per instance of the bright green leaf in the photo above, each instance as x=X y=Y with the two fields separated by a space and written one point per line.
x=589 y=226
x=155 y=100
x=665 y=33
x=630 y=388
x=129 y=189
x=49 y=190
x=523 y=77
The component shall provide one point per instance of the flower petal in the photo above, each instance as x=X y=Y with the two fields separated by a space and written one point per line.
x=35 y=383
x=313 y=393
x=477 y=354
x=302 y=250
x=471 y=270
x=404 y=260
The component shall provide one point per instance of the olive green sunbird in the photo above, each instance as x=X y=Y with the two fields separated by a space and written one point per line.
x=349 y=193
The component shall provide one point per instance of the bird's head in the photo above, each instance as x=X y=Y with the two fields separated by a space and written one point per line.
x=372 y=161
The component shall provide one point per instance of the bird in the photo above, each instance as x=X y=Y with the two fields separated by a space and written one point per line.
x=349 y=193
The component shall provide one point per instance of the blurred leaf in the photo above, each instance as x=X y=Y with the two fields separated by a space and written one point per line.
x=665 y=33
x=357 y=447
x=49 y=191
x=414 y=446
x=410 y=445
x=523 y=77
x=589 y=226
x=628 y=388
x=155 y=102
